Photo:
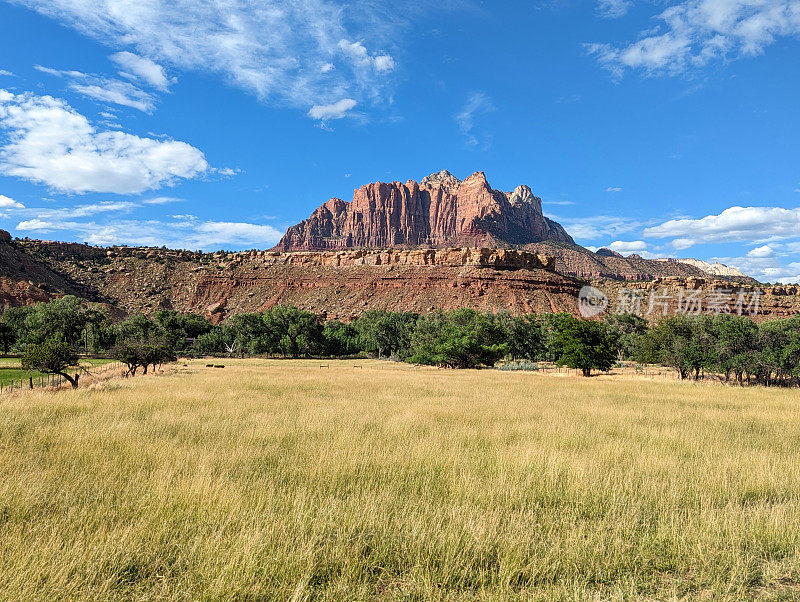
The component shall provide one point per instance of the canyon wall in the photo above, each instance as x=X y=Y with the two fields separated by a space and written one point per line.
x=439 y=211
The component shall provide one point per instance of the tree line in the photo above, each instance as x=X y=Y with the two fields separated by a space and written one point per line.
x=51 y=335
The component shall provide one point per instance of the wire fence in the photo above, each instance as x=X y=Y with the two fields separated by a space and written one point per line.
x=55 y=381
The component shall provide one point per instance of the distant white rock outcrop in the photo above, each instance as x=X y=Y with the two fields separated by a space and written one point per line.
x=715 y=269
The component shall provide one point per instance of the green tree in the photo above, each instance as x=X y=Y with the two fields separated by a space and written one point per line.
x=735 y=338
x=219 y=339
x=627 y=328
x=340 y=339
x=67 y=319
x=247 y=334
x=52 y=357
x=14 y=318
x=463 y=338
x=7 y=337
x=385 y=332
x=583 y=344
x=681 y=342
x=138 y=353
x=524 y=336
x=178 y=327
x=293 y=332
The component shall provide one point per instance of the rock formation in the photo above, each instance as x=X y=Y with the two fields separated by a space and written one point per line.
x=440 y=211
x=341 y=284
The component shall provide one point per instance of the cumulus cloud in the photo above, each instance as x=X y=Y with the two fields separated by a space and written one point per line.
x=138 y=67
x=282 y=50
x=477 y=104
x=50 y=143
x=6 y=73
x=694 y=32
x=627 y=247
x=734 y=224
x=335 y=110
x=761 y=252
x=9 y=203
x=358 y=54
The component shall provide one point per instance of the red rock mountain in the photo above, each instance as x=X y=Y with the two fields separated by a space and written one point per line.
x=440 y=211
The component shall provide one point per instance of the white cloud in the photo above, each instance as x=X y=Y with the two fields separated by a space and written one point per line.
x=384 y=63
x=734 y=224
x=48 y=214
x=186 y=232
x=6 y=73
x=9 y=203
x=681 y=244
x=38 y=224
x=161 y=200
x=613 y=9
x=695 y=32
x=336 y=110
x=613 y=189
x=478 y=103
x=627 y=247
x=139 y=67
x=358 y=54
x=598 y=226
x=105 y=89
x=278 y=50
x=51 y=143
x=765 y=269
x=761 y=252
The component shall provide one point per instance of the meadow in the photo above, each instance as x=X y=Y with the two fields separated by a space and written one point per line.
x=282 y=480
x=11 y=370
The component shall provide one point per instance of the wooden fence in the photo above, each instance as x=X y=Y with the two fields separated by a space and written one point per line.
x=44 y=381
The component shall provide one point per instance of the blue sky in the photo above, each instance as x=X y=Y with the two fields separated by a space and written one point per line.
x=663 y=128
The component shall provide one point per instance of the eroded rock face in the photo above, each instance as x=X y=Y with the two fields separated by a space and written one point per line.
x=440 y=211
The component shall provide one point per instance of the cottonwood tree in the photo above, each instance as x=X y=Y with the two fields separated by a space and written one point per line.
x=462 y=338
x=582 y=344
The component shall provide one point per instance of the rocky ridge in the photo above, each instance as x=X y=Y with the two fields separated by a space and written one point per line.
x=440 y=211
x=337 y=284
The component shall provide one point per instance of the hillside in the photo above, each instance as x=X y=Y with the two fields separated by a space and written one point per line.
x=337 y=284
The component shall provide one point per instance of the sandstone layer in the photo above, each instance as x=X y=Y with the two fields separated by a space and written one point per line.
x=337 y=284
x=340 y=284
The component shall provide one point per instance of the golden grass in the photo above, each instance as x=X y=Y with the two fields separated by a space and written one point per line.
x=280 y=480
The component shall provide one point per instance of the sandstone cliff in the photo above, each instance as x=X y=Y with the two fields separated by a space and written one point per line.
x=338 y=284
x=439 y=211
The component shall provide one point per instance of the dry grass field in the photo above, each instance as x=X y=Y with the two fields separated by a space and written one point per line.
x=279 y=480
